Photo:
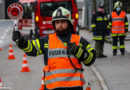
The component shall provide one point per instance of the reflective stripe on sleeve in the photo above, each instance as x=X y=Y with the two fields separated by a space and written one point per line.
x=45 y=45
x=99 y=19
x=37 y=46
x=93 y=25
x=126 y=23
x=89 y=48
x=110 y=23
x=28 y=48
x=88 y=60
x=80 y=51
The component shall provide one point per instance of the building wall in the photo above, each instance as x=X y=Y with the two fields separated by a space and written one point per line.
x=2 y=9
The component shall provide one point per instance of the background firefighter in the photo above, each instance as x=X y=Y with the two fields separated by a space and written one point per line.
x=63 y=53
x=119 y=26
x=100 y=30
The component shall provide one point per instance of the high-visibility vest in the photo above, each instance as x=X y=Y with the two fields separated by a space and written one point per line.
x=118 y=25
x=60 y=71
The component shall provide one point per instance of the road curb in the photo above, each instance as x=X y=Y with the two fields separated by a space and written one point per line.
x=100 y=78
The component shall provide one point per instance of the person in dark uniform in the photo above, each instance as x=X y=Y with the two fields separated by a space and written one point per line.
x=63 y=53
x=100 y=29
x=119 y=27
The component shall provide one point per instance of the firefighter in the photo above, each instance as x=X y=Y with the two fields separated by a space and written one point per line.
x=63 y=53
x=100 y=29
x=119 y=26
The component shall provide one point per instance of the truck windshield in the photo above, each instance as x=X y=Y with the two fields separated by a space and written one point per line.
x=47 y=9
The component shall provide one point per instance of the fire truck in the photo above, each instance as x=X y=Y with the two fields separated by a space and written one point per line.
x=43 y=15
x=43 y=10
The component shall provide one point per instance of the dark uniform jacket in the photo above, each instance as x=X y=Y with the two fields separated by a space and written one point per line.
x=40 y=46
x=100 y=26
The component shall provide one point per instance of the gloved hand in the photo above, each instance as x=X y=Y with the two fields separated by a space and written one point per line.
x=20 y=41
x=16 y=36
x=72 y=48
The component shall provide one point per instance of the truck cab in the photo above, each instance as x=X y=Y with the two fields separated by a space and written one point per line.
x=43 y=15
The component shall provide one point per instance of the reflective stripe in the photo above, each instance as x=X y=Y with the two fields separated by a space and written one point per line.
x=114 y=47
x=37 y=46
x=121 y=34
x=81 y=45
x=93 y=25
x=118 y=30
x=80 y=51
x=99 y=19
x=114 y=34
x=88 y=60
x=110 y=23
x=62 y=71
x=122 y=46
x=108 y=27
x=89 y=48
x=105 y=19
x=62 y=79
x=28 y=48
x=65 y=44
x=126 y=23
x=39 y=49
x=45 y=45
x=118 y=27
x=117 y=19
x=98 y=38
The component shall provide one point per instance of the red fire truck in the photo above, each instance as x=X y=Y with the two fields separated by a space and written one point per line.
x=43 y=13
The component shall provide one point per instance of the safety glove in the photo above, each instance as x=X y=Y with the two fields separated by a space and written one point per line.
x=72 y=48
x=20 y=41
x=16 y=36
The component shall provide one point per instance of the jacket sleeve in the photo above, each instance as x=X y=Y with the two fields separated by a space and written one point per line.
x=86 y=53
x=110 y=22
x=126 y=24
x=35 y=47
x=93 y=22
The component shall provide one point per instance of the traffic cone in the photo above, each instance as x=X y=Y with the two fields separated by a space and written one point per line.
x=88 y=87
x=11 y=54
x=1 y=84
x=25 y=67
x=42 y=84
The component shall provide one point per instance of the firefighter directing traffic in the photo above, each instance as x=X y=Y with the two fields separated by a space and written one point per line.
x=63 y=53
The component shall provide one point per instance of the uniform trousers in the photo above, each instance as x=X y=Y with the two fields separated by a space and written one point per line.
x=99 y=45
x=115 y=44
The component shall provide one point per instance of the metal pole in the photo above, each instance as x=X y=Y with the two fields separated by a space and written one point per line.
x=85 y=14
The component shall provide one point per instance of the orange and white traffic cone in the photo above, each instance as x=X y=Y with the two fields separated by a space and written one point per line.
x=42 y=84
x=25 y=67
x=1 y=84
x=88 y=87
x=11 y=54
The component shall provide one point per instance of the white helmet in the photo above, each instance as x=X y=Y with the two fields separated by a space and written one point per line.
x=61 y=13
